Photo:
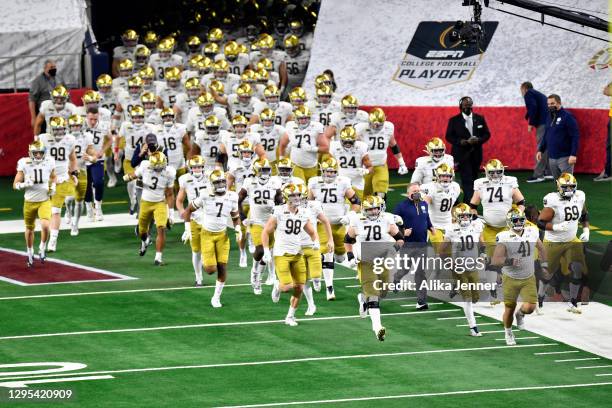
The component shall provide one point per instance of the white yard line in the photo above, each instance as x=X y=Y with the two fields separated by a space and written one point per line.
x=451 y=318
x=203 y=325
x=520 y=338
x=497 y=331
x=429 y=303
x=353 y=286
x=582 y=368
x=288 y=361
x=429 y=394
x=112 y=292
x=556 y=352
x=24 y=384
x=577 y=359
x=603 y=375
x=479 y=324
x=398 y=298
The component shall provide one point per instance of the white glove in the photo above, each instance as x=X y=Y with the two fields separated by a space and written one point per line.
x=238 y=233
x=316 y=245
x=363 y=171
x=402 y=167
x=267 y=256
x=562 y=226
x=25 y=184
x=586 y=233
x=52 y=190
x=171 y=216
x=186 y=237
x=345 y=220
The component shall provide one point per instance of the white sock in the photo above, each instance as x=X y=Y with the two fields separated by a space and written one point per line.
x=291 y=312
x=30 y=251
x=89 y=207
x=469 y=313
x=42 y=247
x=54 y=234
x=158 y=256
x=69 y=201
x=542 y=289
x=375 y=317
x=328 y=274
x=243 y=252
x=76 y=216
x=99 y=206
x=308 y=294
x=196 y=260
x=271 y=270
x=131 y=188
x=218 y=289
x=508 y=330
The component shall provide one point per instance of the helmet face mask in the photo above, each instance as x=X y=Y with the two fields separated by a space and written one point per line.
x=134 y=90
x=197 y=171
x=219 y=186
x=137 y=120
x=213 y=132
x=148 y=106
x=464 y=220
x=437 y=154
x=303 y=121
x=59 y=102
x=240 y=130
x=168 y=120
x=58 y=132
x=272 y=101
x=567 y=190
x=206 y=108
x=324 y=100
x=37 y=152
x=220 y=74
x=264 y=175
x=495 y=175
x=350 y=111
x=267 y=124
x=445 y=180
x=285 y=173
x=76 y=129
x=329 y=175
x=372 y=213
x=516 y=221
x=348 y=144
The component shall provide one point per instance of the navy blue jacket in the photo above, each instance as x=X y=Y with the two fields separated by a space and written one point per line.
x=561 y=137
x=135 y=160
x=537 y=107
x=415 y=217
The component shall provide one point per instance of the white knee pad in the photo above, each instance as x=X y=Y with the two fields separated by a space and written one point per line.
x=56 y=210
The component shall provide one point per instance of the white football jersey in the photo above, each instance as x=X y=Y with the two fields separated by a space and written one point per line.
x=237 y=66
x=301 y=141
x=340 y=120
x=261 y=198
x=133 y=136
x=331 y=196
x=40 y=174
x=127 y=102
x=168 y=94
x=153 y=116
x=120 y=85
x=98 y=133
x=464 y=241
x=236 y=108
x=48 y=110
x=281 y=181
x=209 y=149
x=289 y=229
x=521 y=247
x=109 y=101
x=194 y=188
x=371 y=230
x=121 y=52
x=155 y=182
x=160 y=65
x=350 y=161
x=565 y=210
x=82 y=143
x=228 y=82
x=172 y=140
x=60 y=151
x=277 y=57
x=323 y=113
x=217 y=210
x=442 y=201
x=104 y=114
x=268 y=139
x=296 y=69
x=232 y=143
x=313 y=210
x=283 y=111
x=425 y=166
x=241 y=173
x=185 y=104
x=377 y=141
x=496 y=199
x=305 y=40
x=195 y=118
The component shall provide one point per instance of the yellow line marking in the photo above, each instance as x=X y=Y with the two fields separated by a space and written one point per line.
x=6 y=209
x=114 y=202
x=594 y=228
x=398 y=185
x=607 y=233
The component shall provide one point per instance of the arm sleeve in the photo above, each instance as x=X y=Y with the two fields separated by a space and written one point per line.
x=532 y=108
x=572 y=128
x=136 y=159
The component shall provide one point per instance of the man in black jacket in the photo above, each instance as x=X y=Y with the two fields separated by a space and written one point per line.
x=467 y=132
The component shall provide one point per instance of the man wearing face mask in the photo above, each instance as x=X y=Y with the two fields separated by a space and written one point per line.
x=416 y=222
x=560 y=140
x=41 y=87
x=467 y=132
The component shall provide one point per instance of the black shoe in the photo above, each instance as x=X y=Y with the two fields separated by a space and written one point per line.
x=494 y=293
x=142 y=250
x=158 y=263
x=198 y=285
x=534 y=179
x=452 y=293
x=422 y=306
x=540 y=301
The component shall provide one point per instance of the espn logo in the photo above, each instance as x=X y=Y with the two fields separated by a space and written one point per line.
x=444 y=54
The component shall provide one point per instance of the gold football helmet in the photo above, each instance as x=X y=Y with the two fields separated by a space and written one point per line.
x=218 y=181
x=296 y=27
x=349 y=105
x=322 y=79
x=148 y=100
x=194 y=61
x=262 y=170
x=244 y=92
x=217 y=86
x=126 y=66
x=192 y=86
x=137 y=114
x=245 y=148
x=142 y=55
x=215 y=35
x=135 y=85
x=239 y=125
x=76 y=124
x=231 y=50
x=329 y=169
x=196 y=166
x=211 y=49
x=371 y=208
x=284 y=167
x=272 y=96
x=435 y=148
x=206 y=102
x=151 y=39
x=566 y=185
x=444 y=175
x=266 y=42
x=221 y=69
x=297 y=96
x=147 y=74
x=248 y=77
x=293 y=194
x=302 y=116
x=194 y=44
x=267 y=118
x=377 y=119
x=158 y=161
x=58 y=127
x=348 y=136
x=462 y=215
x=262 y=76
x=104 y=82
x=37 y=151
x=167 y=117
x=292 y=45
x=324 y=94
x=266 y=64
x=172 y=74
x=129 y=38
x=212 y=125
x=91 y=97
x=494 y=170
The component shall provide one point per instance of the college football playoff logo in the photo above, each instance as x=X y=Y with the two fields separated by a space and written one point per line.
x=433 y=60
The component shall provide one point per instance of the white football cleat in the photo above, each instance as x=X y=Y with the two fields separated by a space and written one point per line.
x=112 y=180
x=52 y=245
x=510 y=341
x=520 y=320
x=276 y=292
x=90 y=215
x=67 y=218
x=243 y=260
x=474 y=332
x=316 y=285
x=331 y=295
x=270 y=279
x=99 y=215
x=257 y=289
x=571 y=308
x=380 y=334
x=311 y=310
x=363 y=311
x=74 y=231
x=290 y=321
x=215 y=302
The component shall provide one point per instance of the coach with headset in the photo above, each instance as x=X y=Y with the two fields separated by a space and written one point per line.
x=467 y=132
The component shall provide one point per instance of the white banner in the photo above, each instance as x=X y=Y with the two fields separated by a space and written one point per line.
x=399 y=52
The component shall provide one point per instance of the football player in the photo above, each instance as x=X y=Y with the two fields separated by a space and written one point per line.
x=563 y=211
x=233 y=139
x=287 y=223
x=236 y=60
x=157 y=196
x=60 y=146
x=441 y=195
x=173 y=137
x=101 y=139
x=296 y=27
x=352 y=156
x=305 y=139
x=92 y=99
x=197 y=115
x=370 y=227
x=194 y=45
x=349 y=114
x=515 y=253
x=296 y=61
x=262 y=193
x=266 y=49
x=126 y=69
x=282 y=110
x=217 y=207
x=425 y=166
x=164 y=58
x=147 y=74
x=142 y=56
x=36 y=177
x=185 y=101
x=269 y=133
x=127 y=100
x=129 y=38
x=170 y=89
x=58 y=105
x=497 y=193
x=209 y=144
x=284 y=172
x=132 y=134
x=297 y=97
x=323 y=106
x=331 y=190
x=192 y=185
x=148 y=100
x=83 y=150
x=211 y=50
x=220 y=73
x=108 y=97
x=378 y=134
x=240 y=103
x=464 y=239
x=265 y=63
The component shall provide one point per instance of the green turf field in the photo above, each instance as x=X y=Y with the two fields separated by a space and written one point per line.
x=169 y=347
